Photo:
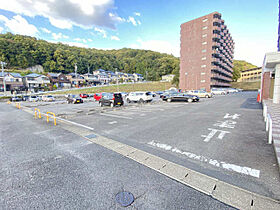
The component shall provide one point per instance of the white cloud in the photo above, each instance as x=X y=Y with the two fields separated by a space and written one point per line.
x=90 y=40
x=1 y=29
x=76 y=44
x=80 y=40
x=59 y=36
x=66 y=13
x=161 y=46
x=101 y=31
x=18 y=25
x=253 y=51
x=115 y=38
x=46 y=30
x=116 y=18
x=138 y=21
x=137 y=13
x=132 y=20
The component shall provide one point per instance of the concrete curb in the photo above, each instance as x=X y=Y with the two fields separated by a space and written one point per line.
x=222 y=191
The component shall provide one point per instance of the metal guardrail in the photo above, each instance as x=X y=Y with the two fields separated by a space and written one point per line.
x=49 y=116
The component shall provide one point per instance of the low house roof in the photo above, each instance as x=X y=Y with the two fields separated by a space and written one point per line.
x=53 y=74
x=17 y=75
x=5 y=73
x=33 y=75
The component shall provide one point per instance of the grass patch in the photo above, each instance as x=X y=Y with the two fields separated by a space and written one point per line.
x=247 y=85
x=150 y=86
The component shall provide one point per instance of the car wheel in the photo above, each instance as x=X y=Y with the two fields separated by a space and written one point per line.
x=128 y=100
x=207 y=96
x=111 y=105
x=190 y=100
x=169 y=100
x=141 y=101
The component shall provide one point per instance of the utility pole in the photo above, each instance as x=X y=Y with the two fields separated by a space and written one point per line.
x=117 y=80
x=278 y=44
x=88 y=69
x=4 y=81
x=76 y=73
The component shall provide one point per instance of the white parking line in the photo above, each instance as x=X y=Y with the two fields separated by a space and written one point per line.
x=113 y=122
x=117 y=116
x=228 y=166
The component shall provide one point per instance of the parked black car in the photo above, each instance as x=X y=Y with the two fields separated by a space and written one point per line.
x=16 y=98
x=25 y=98
x=74 y=99
x=111 y=99
x=180 y=97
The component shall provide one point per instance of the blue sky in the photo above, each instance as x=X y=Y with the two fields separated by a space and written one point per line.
x=141 y=24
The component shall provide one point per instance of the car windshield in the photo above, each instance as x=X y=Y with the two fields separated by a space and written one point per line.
x=49 y=96
x=33 y=96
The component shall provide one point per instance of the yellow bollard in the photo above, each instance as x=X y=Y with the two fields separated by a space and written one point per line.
x=18 y=105
x=8 y=102
x=37 y=111
x=48 y=116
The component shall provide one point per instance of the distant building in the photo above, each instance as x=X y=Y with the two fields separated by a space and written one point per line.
x=13 y=81
x=36 y=81
x=206 y=53
x=59 y=80
x=76 y=81
x=250 y=75
x=138 y=77
x=167 y=78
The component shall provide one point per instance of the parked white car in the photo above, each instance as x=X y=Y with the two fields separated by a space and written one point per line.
x=48 y=98
x=139 y=97
x=218 y=91
x=33 y=99
x=232 y=90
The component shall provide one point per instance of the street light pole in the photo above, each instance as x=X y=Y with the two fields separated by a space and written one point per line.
x=4 y=81
x=117 y=80
x=76 y=73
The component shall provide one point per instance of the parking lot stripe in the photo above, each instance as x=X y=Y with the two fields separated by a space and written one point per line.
x=117 y=116
x=222 y=191
x=113 y=122
x=216 y=163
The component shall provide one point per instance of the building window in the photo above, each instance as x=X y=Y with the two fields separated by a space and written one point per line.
x=203 y=50
x=202 y=81
x=204 y=20
x=203 y=66
x=204 y=35
x=204 y=28
x=204 y=43
x=203 y=58
x=203 y=73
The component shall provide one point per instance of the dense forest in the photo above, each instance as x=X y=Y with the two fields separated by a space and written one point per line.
x=20 y=52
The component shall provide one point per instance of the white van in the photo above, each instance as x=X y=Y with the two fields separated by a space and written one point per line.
x=140 y=97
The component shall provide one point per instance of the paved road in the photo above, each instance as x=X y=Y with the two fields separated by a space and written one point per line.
x=46 y=167
x=223 y=137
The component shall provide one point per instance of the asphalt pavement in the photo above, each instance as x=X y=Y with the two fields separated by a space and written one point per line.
x=47 y=167
x=223 y=137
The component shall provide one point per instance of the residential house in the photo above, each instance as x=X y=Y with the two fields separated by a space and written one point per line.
x=128 y=77
x=138 y=77
x=13 y=81
x=59 y=80
x=167 y=78
x=91 y=79
x=76 y=80
x=36 y=81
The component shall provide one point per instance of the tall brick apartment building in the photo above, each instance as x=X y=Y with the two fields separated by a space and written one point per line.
x=206 y=53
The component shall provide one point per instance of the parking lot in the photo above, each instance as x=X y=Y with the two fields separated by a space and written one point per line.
x=223 y=137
